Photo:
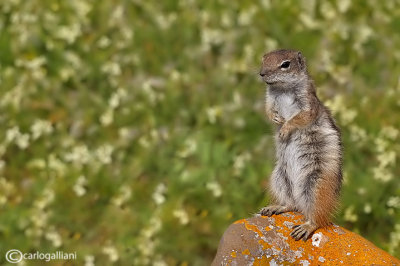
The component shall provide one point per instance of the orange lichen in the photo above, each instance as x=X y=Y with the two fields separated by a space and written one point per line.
x=253 y=228
x=261 y=261
x=331 y=245
x=264 y=244
x=240 y=221
x=233 y=254
x=246 y=252
x=267 y=228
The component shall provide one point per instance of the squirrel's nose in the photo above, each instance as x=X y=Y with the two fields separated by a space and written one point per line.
x=263 y=71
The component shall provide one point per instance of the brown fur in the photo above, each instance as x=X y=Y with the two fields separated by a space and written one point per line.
x=327 y=200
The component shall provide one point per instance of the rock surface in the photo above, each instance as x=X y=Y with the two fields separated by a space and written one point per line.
x=264 y=240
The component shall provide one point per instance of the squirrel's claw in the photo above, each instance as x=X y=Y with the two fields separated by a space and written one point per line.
x=270 y=210
x=302 y=231
x=278 y=119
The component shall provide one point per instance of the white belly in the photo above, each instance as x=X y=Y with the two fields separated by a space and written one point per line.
x=286 y=106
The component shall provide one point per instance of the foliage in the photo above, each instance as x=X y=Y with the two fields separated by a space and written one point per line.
x=134 y=131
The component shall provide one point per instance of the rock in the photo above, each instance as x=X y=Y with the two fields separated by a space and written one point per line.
x=265 y=240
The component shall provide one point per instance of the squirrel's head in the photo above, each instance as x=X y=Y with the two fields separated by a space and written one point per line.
x=284 y=69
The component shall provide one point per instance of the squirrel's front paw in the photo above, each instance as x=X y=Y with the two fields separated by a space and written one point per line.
x=276 y=118
x=284 y=132
x=274 y=209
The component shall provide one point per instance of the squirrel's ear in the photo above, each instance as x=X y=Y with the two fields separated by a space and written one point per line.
x=301 y=60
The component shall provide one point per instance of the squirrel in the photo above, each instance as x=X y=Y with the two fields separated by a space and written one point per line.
x=307 y=177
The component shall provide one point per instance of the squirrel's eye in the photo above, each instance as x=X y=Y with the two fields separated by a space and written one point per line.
x=285 y=64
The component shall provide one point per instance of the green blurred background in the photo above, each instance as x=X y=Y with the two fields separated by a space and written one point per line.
x=133 y=132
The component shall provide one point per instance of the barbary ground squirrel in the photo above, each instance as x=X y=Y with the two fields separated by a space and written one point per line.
x=308 y=174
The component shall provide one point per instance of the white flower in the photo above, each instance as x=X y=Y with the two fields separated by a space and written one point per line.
x=108 y=117
x=394 y=238
x=144 y=142
x=308 y=21
x=182 y=216
x=189 y=148
x=211 y=36
x=382 y=174
x=175 y=75
x=386 y=159
x=246 y=16
x=54 y=237
x=361 y=191
x=45 y=199
x=13 y=97
x=159 y=262
x=79 y=186
x=104 y=153
x=89 y=260
x=348 y=115
x=116 y=98
x=226 y=20
x=22 y=141
x=149 y=91
x=381 y=144
x=111 y=252
x=103 y=42
x=116 y=16
x=165 y=21
x=56 y=165
x=215 y=188
x=79 y=154
x=357 y=134
x=6 y=189
x=390 y=132
x=66 y=73
x=41 y=127
x=270 y=44
x=126 y=134
x=12 y=134
x=73 y=59
x=111 y=68
x=68 y=33
x=337 y=103
x=367 y=208
x=349 y=214
x=158 y=195
x=2 y=164
x=327 y=10
x=364 y=33
x=266 y=4
x=82 y=8
x=240 y=162
x=114 y=101
x=394 y=202
x=123 y=195
x=343 y=5
x=33 y=64
x=213 y=113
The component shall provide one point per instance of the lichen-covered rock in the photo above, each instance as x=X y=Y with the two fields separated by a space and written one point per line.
x=266 y=241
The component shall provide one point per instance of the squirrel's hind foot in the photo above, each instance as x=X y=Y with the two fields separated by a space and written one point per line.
x=303 y=231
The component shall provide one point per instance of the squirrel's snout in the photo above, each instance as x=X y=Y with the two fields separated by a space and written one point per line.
x=265 y=75
x=263 y=72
